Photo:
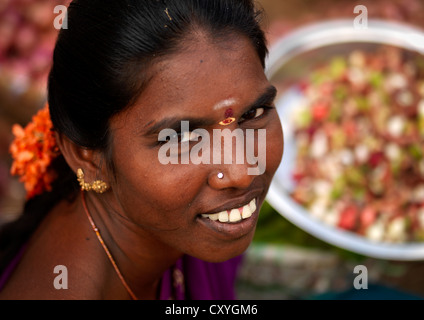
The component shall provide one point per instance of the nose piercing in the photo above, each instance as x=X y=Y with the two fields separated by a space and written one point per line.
x=220 y=175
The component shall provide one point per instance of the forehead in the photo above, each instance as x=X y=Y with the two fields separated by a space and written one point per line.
x=205 y=77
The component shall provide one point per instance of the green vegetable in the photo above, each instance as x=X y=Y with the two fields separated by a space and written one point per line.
x=376 y=79
x=338 y=188
x=354 y=176
x=362 y=103
x=415 y=151
x=303 y=118
x=338 y=67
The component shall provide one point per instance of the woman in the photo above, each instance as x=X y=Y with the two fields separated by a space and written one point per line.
x=122 y=223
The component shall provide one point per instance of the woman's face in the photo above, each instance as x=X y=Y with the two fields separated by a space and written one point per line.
x=172 y=205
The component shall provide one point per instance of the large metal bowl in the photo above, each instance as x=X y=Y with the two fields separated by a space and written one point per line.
x=291 y=59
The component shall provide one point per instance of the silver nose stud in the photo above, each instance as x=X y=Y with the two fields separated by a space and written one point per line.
x=220 y=175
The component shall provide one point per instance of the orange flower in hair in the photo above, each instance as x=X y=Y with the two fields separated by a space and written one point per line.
x=33 y=150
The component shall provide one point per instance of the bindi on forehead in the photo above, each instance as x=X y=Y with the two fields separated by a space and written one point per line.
x=228 y=117
x=228 y=113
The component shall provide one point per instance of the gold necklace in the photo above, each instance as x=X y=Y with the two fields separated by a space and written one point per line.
x=96 y=230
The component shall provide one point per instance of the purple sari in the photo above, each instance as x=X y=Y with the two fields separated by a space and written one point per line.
x=194 y=279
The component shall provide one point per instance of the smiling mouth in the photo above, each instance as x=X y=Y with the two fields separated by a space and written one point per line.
x=233 y=215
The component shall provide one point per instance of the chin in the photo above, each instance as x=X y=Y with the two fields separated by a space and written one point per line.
x=224 y=253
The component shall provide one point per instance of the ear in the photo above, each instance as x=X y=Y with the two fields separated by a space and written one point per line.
x=90 y=161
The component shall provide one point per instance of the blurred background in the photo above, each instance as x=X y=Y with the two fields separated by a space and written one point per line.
x=283 y=262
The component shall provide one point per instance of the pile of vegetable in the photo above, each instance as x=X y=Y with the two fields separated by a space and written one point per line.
x=27 y=39
x=359 y=134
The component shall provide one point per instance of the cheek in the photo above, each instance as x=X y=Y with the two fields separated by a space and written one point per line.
x=142 y=182
x=275 y=146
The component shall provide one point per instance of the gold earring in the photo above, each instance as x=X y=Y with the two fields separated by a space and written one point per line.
x=97 y=186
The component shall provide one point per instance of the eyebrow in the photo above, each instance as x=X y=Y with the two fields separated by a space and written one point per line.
x=174 y=123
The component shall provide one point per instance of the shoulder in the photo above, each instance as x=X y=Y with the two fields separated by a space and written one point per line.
x=45 y=278
x=55 y=265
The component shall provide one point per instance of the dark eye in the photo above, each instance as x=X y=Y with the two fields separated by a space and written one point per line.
x=189 y=136
x=183 y=137
x=253 y=113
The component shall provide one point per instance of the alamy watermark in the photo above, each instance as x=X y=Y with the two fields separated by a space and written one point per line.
x=61 y=20
x=361 y=21
x=60 y=282
x=361 y=280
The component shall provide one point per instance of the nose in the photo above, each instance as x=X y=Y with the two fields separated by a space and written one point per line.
x=233 y=169
x=231 y=176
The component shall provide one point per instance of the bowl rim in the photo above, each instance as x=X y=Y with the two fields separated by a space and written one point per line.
x=311 y=37
x=320 y=34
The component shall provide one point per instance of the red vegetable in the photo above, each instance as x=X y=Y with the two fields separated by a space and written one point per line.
x=320 y=111
x=348 y=217
x=376 y=158
x=367 y=216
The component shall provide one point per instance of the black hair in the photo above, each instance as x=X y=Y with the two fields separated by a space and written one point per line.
x=101 y=64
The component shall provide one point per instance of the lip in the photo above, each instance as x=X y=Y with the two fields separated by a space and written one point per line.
x=236 y=203
x=233 y=230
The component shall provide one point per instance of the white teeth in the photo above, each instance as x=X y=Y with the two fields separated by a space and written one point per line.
x=223 y=216
x=249 y=209
x=247 y=212
x=252 y=205
x=214 y=216
x=233 y=215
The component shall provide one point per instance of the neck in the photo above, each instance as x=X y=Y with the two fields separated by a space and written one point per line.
x=137 y=260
